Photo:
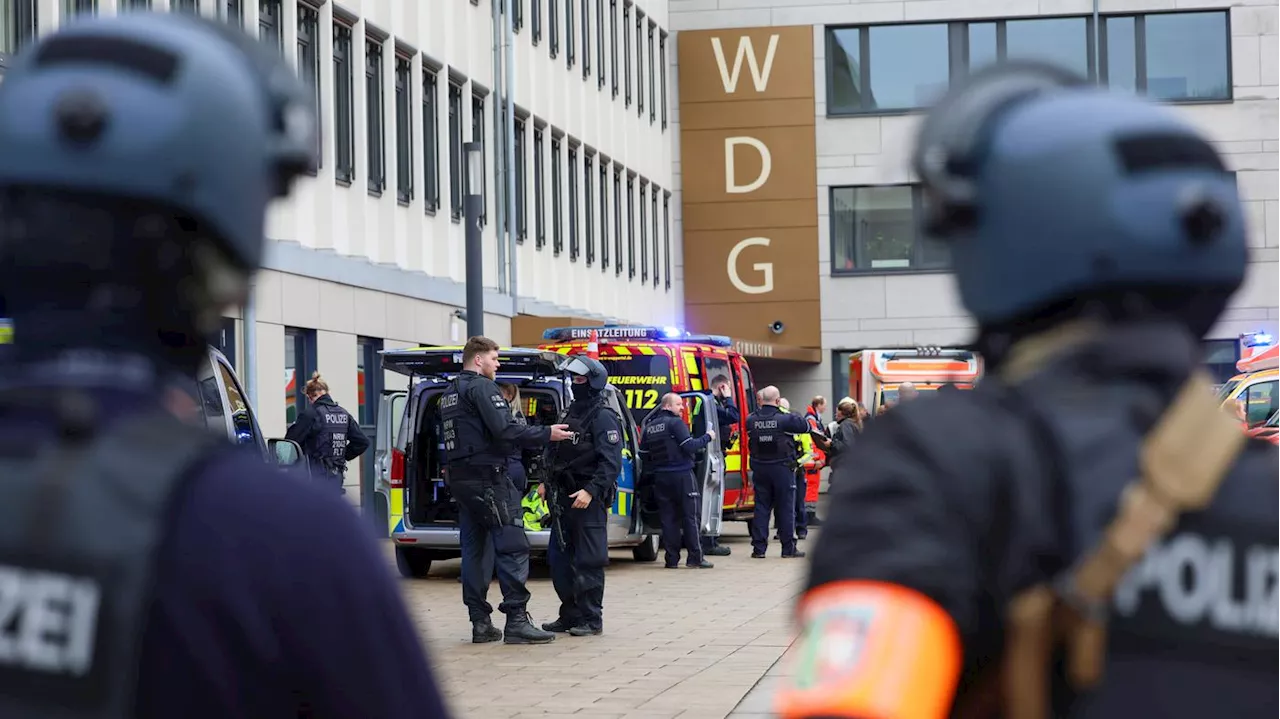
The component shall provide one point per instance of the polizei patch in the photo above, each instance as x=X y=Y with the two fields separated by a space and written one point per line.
x=612 y=436
x=50 y=633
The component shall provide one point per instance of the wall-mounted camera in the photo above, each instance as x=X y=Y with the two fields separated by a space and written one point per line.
x=777 y=327
x=460 y=314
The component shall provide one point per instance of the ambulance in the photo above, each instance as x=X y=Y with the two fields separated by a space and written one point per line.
x=645 y=363
x=1257 y=385
x=875 y=376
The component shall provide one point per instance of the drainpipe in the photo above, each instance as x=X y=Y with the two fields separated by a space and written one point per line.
x=1097 y=46
x=509 y=84
x=499 y=208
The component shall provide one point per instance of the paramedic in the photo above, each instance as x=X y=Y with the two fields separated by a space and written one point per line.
x=178 y=576
x=328 y=434
x=807 y=512
x=480 y=435
x=1087 y=490
x=771 y=436
x=583 y=479
x=669 y=453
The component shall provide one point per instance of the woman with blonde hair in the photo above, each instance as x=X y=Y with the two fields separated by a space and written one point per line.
x=328 y=435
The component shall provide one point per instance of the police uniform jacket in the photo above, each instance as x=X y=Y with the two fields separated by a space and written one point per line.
x=667 y=444
x=328 y=434
x=980 y=495
x=593 y=460
x=771 y=433
x=479 y=428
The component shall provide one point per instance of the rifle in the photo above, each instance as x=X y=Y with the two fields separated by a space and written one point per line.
x=554 y=497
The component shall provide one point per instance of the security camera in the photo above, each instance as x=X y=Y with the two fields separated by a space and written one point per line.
x=777 y=327
x=460 y=314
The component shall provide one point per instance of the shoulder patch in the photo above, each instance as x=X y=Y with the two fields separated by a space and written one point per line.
x=498 y=401
x=612 y=436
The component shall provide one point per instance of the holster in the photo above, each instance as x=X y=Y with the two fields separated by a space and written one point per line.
x=1183 y=462
x=486 y=491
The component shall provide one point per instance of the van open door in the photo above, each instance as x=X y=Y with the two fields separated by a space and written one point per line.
x=708 y=465
x=437 y=362
x=388 y=490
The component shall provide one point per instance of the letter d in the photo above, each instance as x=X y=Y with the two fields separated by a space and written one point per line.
x=766 y=165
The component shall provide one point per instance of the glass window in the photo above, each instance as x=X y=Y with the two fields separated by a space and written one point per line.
x=557 y=231
x=844 y=68
x=522 y=185
x=875 y=229
x=639 y=63
x=604 y=214
x=187 y=6
x=431 y=139
x=983 y=46
x=269 y=26
x=126 y=5
x=517 y=14
x=642 y=379
x=617 y=220
x=1122 y=53
x=235 y=12
x=1187 y=56
x=626 y=49
x=210 y=398
x=343 y=105
x=241 y=416
x=662 y=65
x=404 y=132
x=586 y=40
x=368 y=373
x=80 y=7
x=599 y=44
x=1261 y=401
x=536 y=9
x=573 y=203
x=644 y=234
x=224 y=340
x=375 y=144
x=1061 y=41
x=666 y=236
x=588 y=205
x=568 y=33
x=309 y=62
x=477 y=135
x=455 y=150
x=553 y=24
x=653 y=216
x=909 y=66
x=631 y=227
x=1220 y=358
x=653 y=92
x=18 y=24
x=539 y=219
x=613 y=43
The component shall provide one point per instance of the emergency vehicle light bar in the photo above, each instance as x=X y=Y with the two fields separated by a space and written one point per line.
x=937 y=352
x=635 y=333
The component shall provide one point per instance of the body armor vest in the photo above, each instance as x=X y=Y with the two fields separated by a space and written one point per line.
x=331 y=441
x=659 y=445
x=466 y=439
x=81 y=521
x=577 y=458
x=766 y=440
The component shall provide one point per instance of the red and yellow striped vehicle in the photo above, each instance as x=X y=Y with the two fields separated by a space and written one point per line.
x=647 y=362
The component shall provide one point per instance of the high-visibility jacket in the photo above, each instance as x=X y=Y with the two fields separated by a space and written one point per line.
x=812 y=468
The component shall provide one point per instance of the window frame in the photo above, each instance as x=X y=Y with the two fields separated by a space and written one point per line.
x=25 y=15
x=666 y=235
x=662 y=67
x=1141 y=78
x=431 y=138
x=553 y=26
x=575 y=246
x=517 y=15
x=535 y=19
x=557 y=195
x=604 y=213
x=570 y=46
x=640 y=18
x=308 y=47
x=917 y=210
x=617 y=219
x=653 y=207
x=539 y=189
x=375 y=117
x=613 y=43
x=522 y=180
x=405 y=188
x=588 y=203
x=270 y=15
x=631 y=225
x=477 y=135
x=600 y=78
x=585 y=19
x=644 y=233
x=305 y=362
x=344 y=101
x=367 y=349
x=653 y=84
x=457 y=186
x=626 y=49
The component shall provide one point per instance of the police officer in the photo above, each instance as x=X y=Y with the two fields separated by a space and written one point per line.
x=176 y=575
x=771 y=433
x=1087 y=501
x=480 y=434
x=669 y=454
x=727 y=418
x=328 y=434
x=582 y=482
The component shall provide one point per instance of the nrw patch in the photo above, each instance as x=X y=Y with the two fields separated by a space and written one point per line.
x=612 y=436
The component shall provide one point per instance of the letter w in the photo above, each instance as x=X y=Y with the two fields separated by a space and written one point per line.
x=759 y=78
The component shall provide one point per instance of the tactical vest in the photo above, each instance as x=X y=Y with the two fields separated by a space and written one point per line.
x=577 y=458
x=330 y=443
x=466 y=439
x=658 y=444
x=766 y=440
x=82 y=519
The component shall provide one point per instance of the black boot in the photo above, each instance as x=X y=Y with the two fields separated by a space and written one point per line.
x=586 y=630
x=717 y=551
x=520 y=630
x=559 y=626
x=482 y=631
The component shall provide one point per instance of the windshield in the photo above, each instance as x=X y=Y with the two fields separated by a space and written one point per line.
x=1229 y=388
x=642 y=380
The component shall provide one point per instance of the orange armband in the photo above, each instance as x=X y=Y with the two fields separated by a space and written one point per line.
x=871 y=650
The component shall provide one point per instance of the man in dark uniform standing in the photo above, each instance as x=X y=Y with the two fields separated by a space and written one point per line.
x=1085 y=533
x=771 y=433
x=177 y=576
x=479 y=433
x=727 y=418
x=669 y=452
x=583 y=479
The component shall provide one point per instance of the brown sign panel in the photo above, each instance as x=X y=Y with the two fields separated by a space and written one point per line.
x=750 y=186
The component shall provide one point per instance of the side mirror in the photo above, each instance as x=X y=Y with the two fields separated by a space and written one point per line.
x=285 y=452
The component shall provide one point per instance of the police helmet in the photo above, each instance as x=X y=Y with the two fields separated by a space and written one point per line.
x=138 y=156
x=592 y=369
x=1047 y=188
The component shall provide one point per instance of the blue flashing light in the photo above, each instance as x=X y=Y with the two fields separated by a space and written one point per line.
x=1258 y=339
x=632 y=333
x=672 y=333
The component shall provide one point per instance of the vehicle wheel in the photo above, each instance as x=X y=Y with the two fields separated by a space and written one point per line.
x=646 y=551
x=413 y=563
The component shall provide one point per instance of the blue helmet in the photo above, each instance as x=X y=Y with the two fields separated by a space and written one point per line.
x=1047 y=188
x=166 y=109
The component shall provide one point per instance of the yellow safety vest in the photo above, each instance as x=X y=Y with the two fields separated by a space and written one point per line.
x=536 y=513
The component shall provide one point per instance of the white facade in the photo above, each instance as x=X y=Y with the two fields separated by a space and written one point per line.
x=348 y=262
x=921 y=308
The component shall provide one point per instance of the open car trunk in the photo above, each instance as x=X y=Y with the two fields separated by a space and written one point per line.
x=427 y=500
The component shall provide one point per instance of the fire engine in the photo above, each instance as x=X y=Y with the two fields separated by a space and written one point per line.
x=876 y=375
x=1257 y=387
x=645 y=363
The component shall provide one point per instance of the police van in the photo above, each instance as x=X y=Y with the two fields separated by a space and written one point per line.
x=421 y=515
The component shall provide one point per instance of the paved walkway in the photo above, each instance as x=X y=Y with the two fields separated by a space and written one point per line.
x=694 y=644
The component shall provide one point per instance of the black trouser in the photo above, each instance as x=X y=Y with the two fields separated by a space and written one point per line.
x=774 y=485
x=802 y=516
x=492 y=533
x=578 y=553
x=679 y=510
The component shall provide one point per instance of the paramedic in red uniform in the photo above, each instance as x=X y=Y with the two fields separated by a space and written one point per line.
x=808 y=502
